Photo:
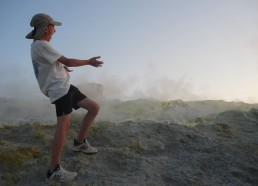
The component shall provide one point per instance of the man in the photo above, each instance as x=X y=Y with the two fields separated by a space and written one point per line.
x=51 y=70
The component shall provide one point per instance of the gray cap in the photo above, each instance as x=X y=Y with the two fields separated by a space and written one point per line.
x=40 y=22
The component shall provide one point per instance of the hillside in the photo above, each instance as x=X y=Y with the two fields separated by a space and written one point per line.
x=15 y=111
x=219 y=150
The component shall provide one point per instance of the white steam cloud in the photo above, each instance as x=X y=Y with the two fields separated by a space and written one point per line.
x=136 y=87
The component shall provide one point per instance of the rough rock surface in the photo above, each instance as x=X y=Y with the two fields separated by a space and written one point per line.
x=221 y=150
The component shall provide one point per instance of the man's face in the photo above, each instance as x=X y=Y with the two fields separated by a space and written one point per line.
x=50 y=30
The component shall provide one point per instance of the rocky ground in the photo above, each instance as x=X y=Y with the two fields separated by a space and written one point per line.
x=219 y=150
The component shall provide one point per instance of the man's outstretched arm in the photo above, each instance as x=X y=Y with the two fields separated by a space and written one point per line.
x=69 y=62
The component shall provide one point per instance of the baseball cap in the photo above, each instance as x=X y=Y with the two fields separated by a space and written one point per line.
x=40 y=22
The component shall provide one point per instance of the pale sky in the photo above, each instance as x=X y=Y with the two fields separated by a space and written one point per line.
x=169 y=49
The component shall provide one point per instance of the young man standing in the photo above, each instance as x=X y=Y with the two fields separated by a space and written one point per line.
x=51 y=71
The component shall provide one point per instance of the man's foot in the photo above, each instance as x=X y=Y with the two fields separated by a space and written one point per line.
x=83 y=147
x=60 y=175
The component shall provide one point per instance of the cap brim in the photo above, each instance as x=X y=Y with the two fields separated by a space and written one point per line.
x=57 y=23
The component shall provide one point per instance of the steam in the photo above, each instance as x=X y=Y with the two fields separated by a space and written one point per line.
x=18 y=82
x=151 y=97
x=143 y=87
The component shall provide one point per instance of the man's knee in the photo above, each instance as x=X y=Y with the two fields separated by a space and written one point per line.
x=95 y=109
x=89 y=105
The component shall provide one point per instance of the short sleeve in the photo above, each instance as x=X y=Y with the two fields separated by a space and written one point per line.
x=49 y=53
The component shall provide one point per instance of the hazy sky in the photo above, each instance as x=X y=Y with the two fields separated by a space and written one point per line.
x=169 y=49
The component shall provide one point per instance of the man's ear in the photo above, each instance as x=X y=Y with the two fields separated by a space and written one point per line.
x=46 y=29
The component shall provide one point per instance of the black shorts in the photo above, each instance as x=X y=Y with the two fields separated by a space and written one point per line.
x=68 y=102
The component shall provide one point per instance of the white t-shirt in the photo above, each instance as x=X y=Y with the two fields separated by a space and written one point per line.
x=52 y=78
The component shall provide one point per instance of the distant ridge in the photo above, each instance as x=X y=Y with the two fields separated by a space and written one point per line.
x=15 y=110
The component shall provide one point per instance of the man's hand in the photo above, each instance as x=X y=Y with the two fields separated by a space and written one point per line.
x=95 y=62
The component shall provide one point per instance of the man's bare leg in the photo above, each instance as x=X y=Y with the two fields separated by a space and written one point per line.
x=93 y=109
x=63 y=123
